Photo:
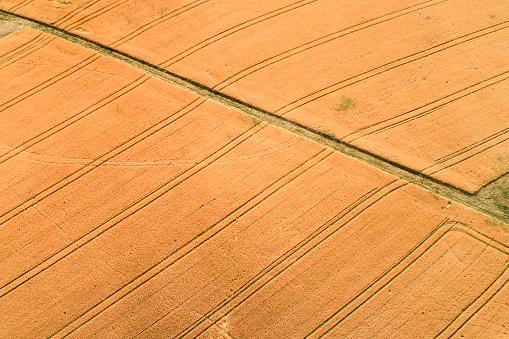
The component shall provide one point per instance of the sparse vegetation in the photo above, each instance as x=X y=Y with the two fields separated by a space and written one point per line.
x=183 y=151
x=330 y=133
x=256 y=121
x=500 y=193
x=162 y=11
x=344 y=103
x=500 y=197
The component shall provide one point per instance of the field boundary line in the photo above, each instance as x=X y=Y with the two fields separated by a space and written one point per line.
x=413 y=176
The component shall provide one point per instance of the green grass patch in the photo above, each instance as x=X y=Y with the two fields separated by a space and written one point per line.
x=344 y=103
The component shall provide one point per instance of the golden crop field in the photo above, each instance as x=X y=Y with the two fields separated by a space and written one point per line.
x=254 y=169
